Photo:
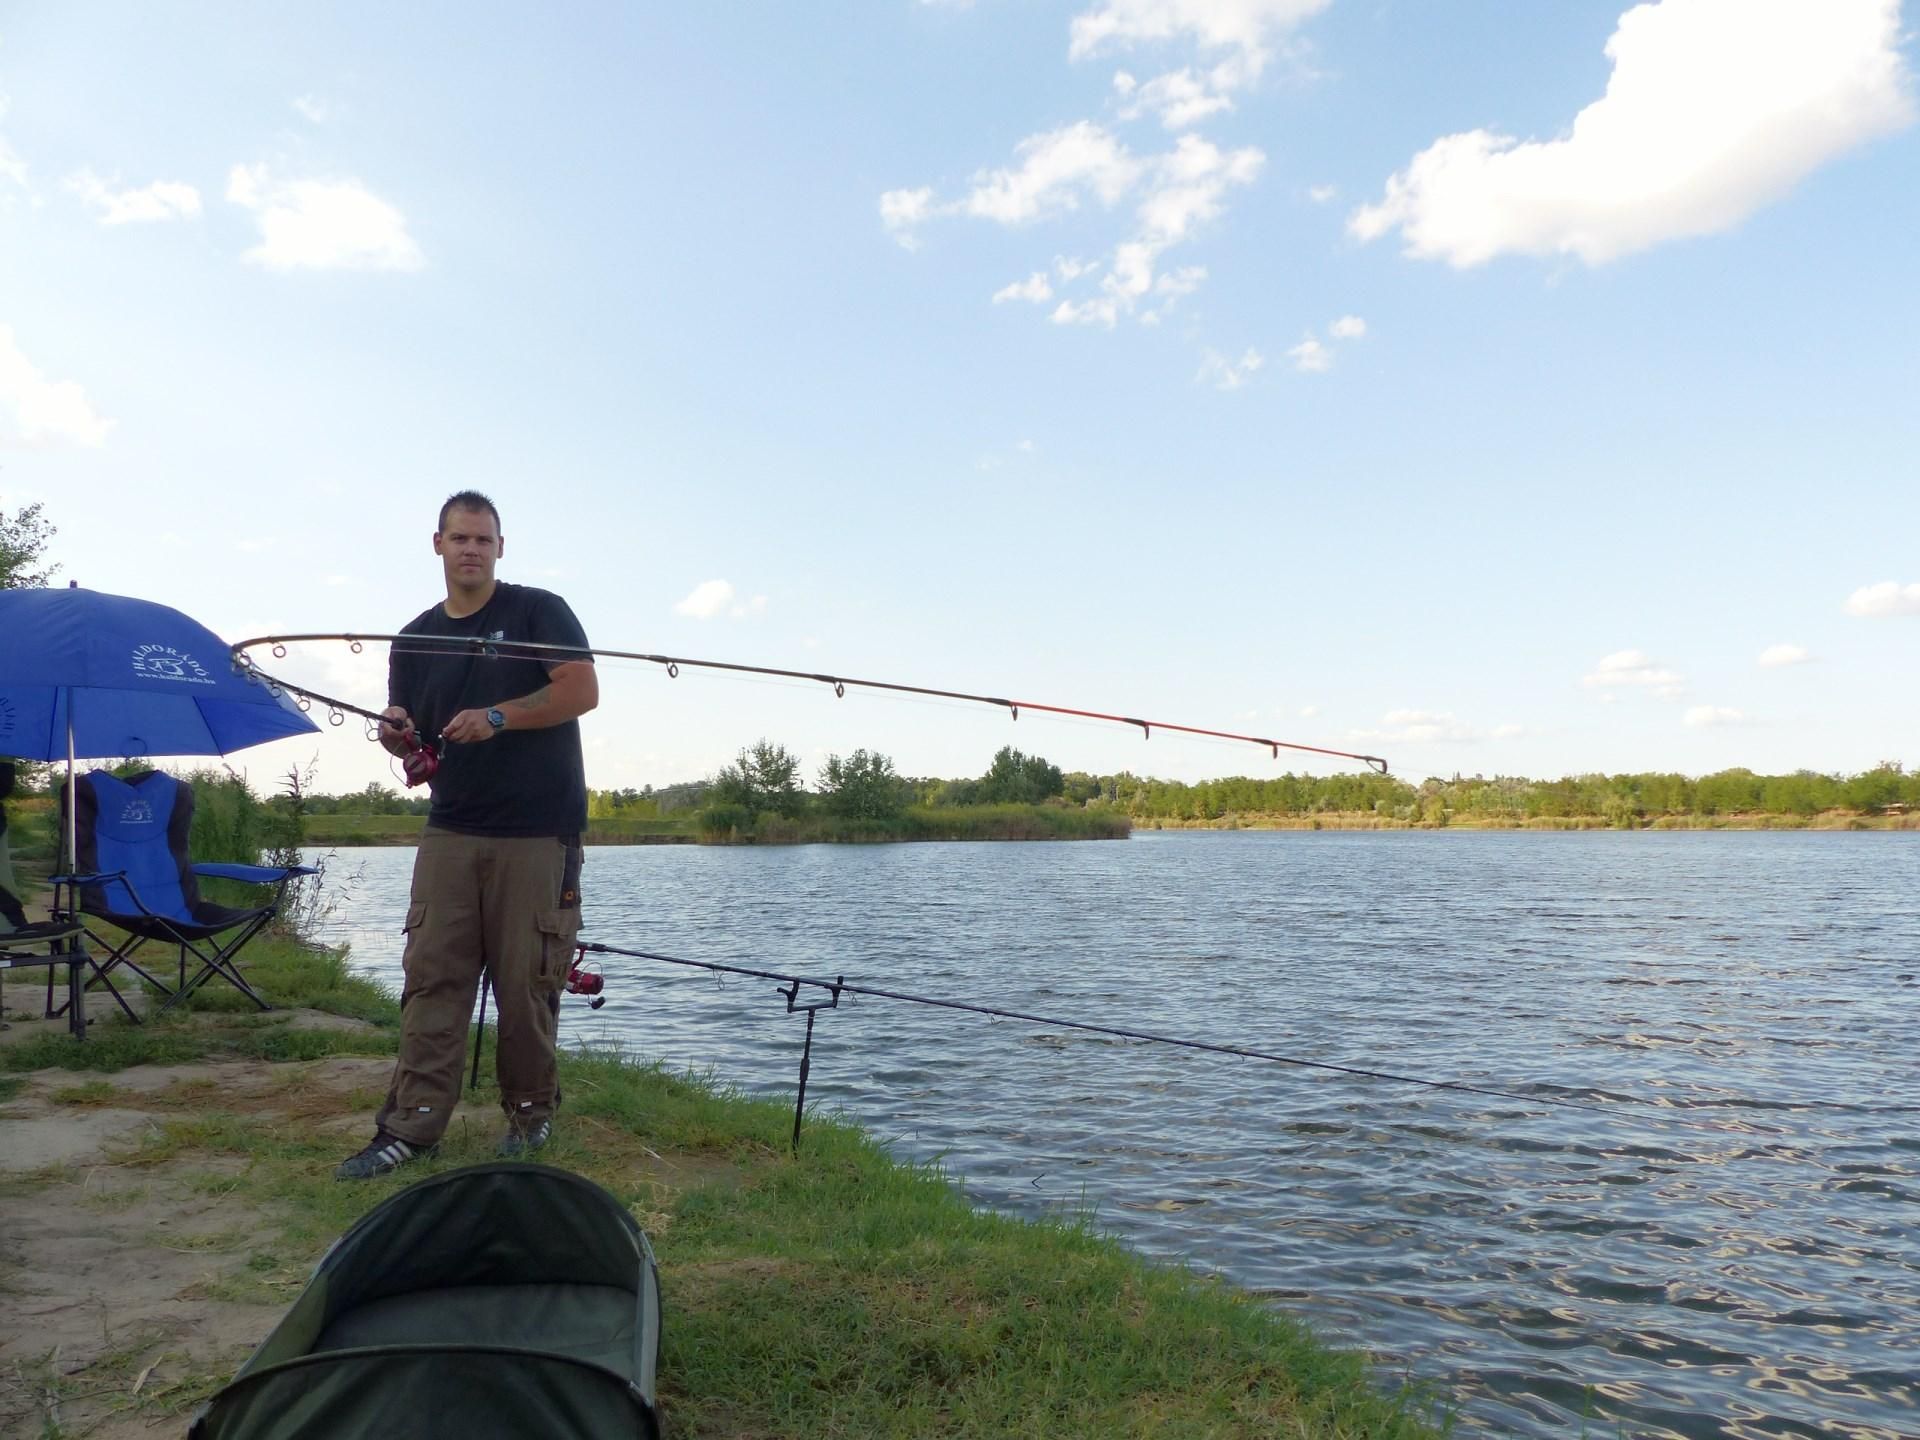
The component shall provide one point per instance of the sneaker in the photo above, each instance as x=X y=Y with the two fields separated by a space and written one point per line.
x=384 y=1154
x=520 y=1141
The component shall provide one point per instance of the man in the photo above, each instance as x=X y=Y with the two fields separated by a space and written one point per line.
x=496 y=881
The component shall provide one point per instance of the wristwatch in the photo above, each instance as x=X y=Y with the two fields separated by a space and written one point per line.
x=497 y=720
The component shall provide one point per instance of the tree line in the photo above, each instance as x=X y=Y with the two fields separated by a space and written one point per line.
x=766 y=778
x=1625 y=799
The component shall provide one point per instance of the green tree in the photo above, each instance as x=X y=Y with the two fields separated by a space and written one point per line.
x=1873 y=790
x=862 y=787
x=23 y=542
x=763 y=777
x=1015 y=778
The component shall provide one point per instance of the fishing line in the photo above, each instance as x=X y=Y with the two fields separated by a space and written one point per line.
x=673 y=664
x=838 y=987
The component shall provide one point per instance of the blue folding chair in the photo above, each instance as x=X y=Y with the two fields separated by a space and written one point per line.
x=133 y=872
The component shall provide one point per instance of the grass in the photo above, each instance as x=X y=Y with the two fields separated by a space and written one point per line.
x=932 y=822
x=405 y=830
x=218 y=1021
x=122 y=1373
x=836 y=1293
x=956 y=822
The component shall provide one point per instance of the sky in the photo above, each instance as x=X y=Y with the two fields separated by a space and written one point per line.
x=1499 y=388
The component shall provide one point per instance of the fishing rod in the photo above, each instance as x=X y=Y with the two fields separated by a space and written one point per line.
x=422 y=760
x=539 y=650
x=839 y=986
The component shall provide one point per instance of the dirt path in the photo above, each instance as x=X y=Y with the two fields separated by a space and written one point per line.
x=128 y=1276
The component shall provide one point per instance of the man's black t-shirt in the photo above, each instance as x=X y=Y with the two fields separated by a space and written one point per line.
x=521 y=782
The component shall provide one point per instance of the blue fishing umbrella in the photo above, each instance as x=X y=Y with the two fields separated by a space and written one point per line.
x=85 y=674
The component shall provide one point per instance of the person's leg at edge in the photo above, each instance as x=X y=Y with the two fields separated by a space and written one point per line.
x=442 y=962
x=533 y=921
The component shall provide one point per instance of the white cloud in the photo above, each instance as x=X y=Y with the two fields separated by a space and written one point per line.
x=1224 y=374
x=1183 y=281
x=1179 y=191
x=1311 y=356
x=1307 y=712
x=903 y=211
x=1714 y=108
x=711 y=599
x=1245 y=27
x=1775 y=656
x=1889 y=597
x=313 y=108
x=1420 y=726
x=1243 y=35
x=1348 y=327
x=1184 y=189
x=1704 y=717
x=162 y=200
x=1508 y=731
x=1322 y=194
x=1034 y=288
x=706 y=600
x=1190 y=183
x=1634 y=668
x=321 y=224
x=46 y=410
x=1055 y=170
x=1180 y=98
x=254 y=544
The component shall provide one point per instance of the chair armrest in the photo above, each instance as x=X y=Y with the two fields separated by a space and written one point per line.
x=125 y=884
x=252 y=874
x=39 y=932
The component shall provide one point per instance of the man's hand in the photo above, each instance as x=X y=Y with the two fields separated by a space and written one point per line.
x=469 y=727
x=396 y=726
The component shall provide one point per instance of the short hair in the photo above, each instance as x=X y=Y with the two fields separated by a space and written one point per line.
x=467 y=500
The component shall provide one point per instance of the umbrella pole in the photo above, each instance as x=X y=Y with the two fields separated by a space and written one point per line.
x=73 y=847
x=76 y=990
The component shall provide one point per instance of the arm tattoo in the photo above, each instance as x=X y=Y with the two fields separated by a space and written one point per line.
x=536 y=701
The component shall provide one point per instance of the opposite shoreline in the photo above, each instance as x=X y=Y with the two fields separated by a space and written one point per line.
x=405 y=830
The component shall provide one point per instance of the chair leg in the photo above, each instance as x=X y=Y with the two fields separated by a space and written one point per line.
x=78 y=982
x=76 y=989
x=219 y=962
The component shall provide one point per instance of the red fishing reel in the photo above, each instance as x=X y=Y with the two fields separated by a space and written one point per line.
x=421 y=762
x=582 y=981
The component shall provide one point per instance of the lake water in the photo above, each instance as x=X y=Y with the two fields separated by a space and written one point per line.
x=1738 y=1257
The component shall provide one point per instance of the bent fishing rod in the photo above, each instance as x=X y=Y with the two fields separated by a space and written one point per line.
x=673 y=664
x=839 y=986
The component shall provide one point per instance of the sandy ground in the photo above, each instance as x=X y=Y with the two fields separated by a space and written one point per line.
x=104 y=1265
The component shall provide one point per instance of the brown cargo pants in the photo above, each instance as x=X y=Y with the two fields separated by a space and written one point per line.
x=512 y=908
